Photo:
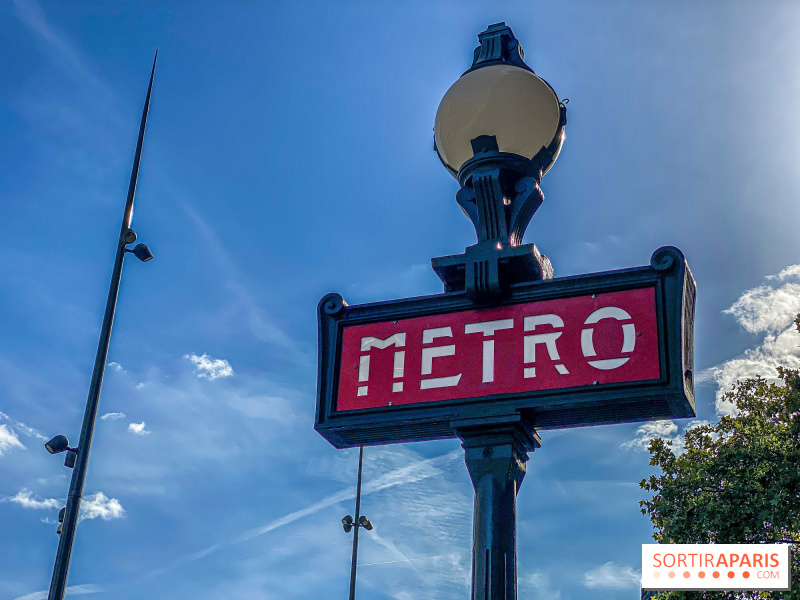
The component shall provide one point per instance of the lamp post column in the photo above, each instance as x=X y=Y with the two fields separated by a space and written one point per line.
x=495 y=455
x=127 y=236
x=357 y=526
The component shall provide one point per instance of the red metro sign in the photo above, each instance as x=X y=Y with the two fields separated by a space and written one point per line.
x=601 y=348
x=548 y=345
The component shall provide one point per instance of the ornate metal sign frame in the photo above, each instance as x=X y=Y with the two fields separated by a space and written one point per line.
x=670 y=396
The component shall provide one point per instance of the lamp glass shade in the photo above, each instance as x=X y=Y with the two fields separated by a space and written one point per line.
x=505 y=101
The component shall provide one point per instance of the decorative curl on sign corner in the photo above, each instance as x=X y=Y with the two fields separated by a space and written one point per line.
x=665 y=258
x=332 y=303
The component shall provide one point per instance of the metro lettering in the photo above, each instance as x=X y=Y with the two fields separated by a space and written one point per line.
x=512 y=349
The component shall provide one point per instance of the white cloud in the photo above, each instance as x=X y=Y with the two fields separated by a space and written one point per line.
x=8 y=440
x=139 y=386
x=93 y=506
x=100 y=506
x=769 y=310
x=73 y=590
x=25 y=499
x=117 y=367
x=765 y=309
x=536 y=580
x=790 y=271
x=29 y=431
x=664 y=429
x=112 y=416
x=138 y=428
x=8 y=434
x=536 y=585
x=696 y=423
x=611 y=575
x=210 y=368
x=651 y=430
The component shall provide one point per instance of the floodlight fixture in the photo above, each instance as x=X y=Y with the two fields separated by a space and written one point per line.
x=347 y=523
x=142 y=252
x=365 y=523
x=58 y=444
x=61 y=514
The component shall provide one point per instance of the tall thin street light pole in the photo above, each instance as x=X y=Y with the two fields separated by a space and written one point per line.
x=357 y=527
x=79 y=457
x=360 y=521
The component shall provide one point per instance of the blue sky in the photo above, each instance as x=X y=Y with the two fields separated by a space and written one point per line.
x=289 y=154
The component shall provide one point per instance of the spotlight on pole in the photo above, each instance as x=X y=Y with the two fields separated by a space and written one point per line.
x=142 y=252
x=61 y=514
x=365 y=523
x=347 y=523
x=57 y=445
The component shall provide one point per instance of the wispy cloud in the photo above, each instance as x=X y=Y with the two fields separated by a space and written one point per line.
x=138 y=428
x=73 y=590
x=29 y=431
x=664 y=429
x=413 y=281
x=209 y=368
x=769 y=310
x=100 y=506
x=537 y=585
x=612 y=575
x=26 y=500
x=116 y=367
x=9 y=433
x=788 y=272
x=412 y=473
x=8 y=440
x=261 y=324
x=402 y=560
x=62 y=51
x=766 y=308
x=112 y=416
x=93 y=506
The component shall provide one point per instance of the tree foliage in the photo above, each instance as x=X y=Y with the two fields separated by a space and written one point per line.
x=735 y=482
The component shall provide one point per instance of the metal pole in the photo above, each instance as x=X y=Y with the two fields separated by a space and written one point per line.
x=496 y=455
x=356 y=527
x=59 y=581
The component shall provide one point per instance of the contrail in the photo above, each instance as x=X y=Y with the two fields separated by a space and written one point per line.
x=418 y=471
x=391 y=562
x=73 y=590
x=409 y=474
